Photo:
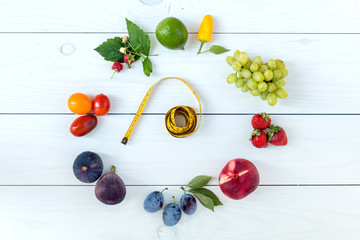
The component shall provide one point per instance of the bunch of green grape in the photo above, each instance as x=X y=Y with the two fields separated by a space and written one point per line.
x=264 y=80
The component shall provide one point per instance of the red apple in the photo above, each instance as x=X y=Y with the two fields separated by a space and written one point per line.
x=239 y=178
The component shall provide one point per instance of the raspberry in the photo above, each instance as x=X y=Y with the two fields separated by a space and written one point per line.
x=129 y=58
x=117 y=66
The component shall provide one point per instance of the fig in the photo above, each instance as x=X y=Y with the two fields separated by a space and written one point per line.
x=110 y=189
x=88 y=167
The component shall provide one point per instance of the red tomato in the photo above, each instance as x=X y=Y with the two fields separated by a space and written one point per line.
x=83 y=125
x=101 y=105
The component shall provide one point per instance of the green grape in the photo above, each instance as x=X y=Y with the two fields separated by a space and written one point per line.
x=258 y=76
x=279 y=83
x=236 y=66
x=230 y=60
x=262 y=86
x=245 y=88
x=257 y=60
x=277 y=74
x=255 y=92
x=243 y=58
x=239 y=82
x=268 y=75
x=251 y=84
x=248 y=64
x=271 y=99
x=279 y=64
x=263 y=95
x=231 y=78
x=284 y=72
x=237 y=55
x=281 y=93
x=271 y=87
x=271 y=64
x=245 y=73
x=254 y=67
x=263 y=68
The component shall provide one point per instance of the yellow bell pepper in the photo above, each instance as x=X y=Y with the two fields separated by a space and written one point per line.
x=205 y=31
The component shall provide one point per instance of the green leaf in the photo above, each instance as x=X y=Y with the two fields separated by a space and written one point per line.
x=147 y=66
x=199 y=181
x=138 y=38
x=207 y=193
x=205 y=201
x=216 y=49
x=110 y=50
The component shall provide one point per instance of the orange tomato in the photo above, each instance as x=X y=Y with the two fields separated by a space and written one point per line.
x=79 y=103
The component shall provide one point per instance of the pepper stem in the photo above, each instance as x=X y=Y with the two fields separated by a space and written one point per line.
x=201 y=45
x=113 y=168
x=164 y=190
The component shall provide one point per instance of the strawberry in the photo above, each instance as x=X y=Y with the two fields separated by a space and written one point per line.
x=259 y=139
x=277 y=136
x=261 y=121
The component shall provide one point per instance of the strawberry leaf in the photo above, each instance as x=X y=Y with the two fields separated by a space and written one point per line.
x=205 y=201
x=110 y=50
x=199 y=181
x=138 y=38
x=147 y=66
x=207 y=193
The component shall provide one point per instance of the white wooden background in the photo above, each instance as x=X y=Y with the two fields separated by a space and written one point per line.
x=309 y=189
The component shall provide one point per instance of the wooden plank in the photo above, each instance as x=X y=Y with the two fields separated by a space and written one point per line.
x=320 y=80
x=270 y=212
x=40 y=150
x=320 y=16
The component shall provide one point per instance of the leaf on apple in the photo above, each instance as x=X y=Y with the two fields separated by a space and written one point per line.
x=199 y=181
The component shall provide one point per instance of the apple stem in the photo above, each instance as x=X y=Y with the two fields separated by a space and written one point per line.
x=236 y=176
x=164 y=190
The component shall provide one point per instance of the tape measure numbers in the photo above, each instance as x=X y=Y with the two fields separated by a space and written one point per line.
x=187 y=112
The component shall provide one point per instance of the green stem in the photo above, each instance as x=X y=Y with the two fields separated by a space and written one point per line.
x=183 y=189
x=164 y=190
x=201 y=45
x=113 y=168
x=113 y=74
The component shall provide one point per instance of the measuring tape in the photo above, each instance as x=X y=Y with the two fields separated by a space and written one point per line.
x=187 y=112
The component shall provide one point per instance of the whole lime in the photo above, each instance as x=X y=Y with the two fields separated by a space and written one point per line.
x=172 y=33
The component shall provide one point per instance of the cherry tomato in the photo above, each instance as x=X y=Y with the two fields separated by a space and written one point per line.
x=101 y=105
x=83 y=125
x=79 y=103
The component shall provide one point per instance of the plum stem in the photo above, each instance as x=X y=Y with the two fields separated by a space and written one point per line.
x=183 y=189
x=164 y=190
x=173 y=198
x=113 y=168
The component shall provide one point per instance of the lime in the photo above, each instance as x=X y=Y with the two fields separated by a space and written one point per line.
x=172 y=33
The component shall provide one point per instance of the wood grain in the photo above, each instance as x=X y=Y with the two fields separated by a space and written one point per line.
x=40 y=150
x=294 y=213
x=320 y=80
x=280 y=16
